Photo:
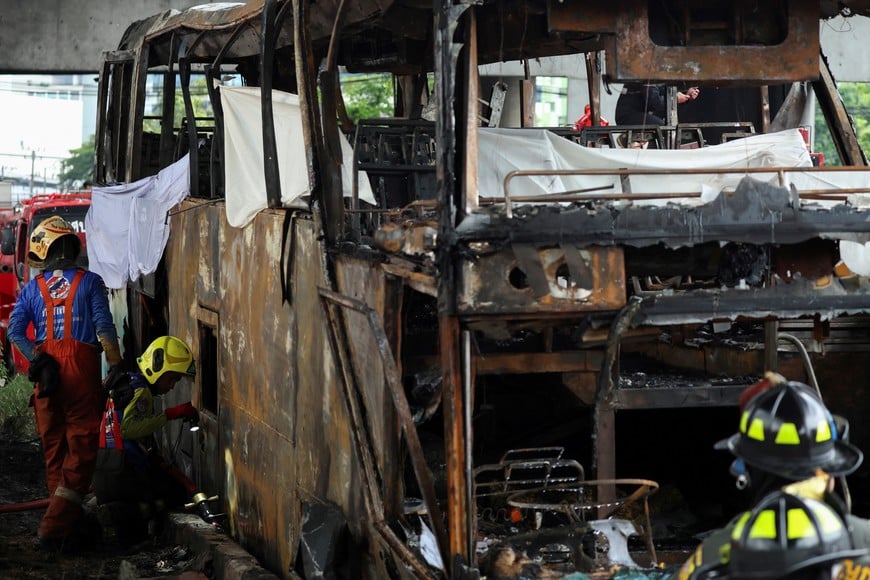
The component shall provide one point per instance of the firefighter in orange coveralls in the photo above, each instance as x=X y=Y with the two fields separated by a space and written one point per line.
x=69 y=310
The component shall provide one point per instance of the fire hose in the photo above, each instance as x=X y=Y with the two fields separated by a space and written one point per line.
x=200 y=502
x=24 y=506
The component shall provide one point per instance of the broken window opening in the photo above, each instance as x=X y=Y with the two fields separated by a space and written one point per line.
x=716 y=23
x=207 y=365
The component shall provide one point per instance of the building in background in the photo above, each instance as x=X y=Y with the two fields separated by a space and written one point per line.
x=43 y=117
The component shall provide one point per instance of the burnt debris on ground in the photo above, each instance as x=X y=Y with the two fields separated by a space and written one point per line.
x=22 y=479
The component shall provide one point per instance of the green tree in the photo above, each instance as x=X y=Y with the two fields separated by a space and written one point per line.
x=367 y=96
x=79 y=167
x=856 y=98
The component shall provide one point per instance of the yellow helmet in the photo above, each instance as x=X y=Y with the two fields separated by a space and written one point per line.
x=49 y=231
x=166 y=354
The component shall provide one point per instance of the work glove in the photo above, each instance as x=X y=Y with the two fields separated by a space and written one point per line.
x=44 y=373
x=182 y=411
x=114 y=376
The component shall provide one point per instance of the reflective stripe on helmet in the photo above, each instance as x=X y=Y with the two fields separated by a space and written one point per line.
x=823 y=433
x=788 y=435
x=798 y=524
x=738 y=527
x=756 y=430
x=764 y=526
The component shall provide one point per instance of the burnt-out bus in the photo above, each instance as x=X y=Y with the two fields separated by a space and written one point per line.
x=448 y=341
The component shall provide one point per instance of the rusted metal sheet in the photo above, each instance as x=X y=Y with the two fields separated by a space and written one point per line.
x=365 y=281
x=580 y=16
x=251 y=431
x=278 y=392
x=397 y=402
x=638 y=57
x=498 y=283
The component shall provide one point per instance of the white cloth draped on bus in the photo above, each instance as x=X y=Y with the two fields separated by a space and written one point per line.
x=505 y=150
x=244 y=176
x=133 y=216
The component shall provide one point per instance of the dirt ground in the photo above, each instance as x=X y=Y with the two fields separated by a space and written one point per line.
x=22 y=478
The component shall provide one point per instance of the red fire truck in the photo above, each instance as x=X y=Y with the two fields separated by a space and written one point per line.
x=15 y=271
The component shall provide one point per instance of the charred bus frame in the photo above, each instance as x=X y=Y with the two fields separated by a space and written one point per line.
x=437 y=274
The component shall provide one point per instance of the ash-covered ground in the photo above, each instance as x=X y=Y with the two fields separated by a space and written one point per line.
x=22 y=479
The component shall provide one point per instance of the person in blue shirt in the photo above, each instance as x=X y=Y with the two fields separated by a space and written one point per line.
x=69 y=310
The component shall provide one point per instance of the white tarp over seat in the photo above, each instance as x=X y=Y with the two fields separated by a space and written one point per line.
x=245 y=181
x=506 y=150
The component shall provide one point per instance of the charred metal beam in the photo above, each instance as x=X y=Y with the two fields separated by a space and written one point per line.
x=305 y=71
x=783 y=301
x=837 y=117
x=192 y=141
x=593 y=81
x=458 y=516
x=400 y=403
x=640 y=57
x=330 y=155
x=359 y=429
x=756 y=213
x=676 y=397
x=604 y=455
x=270 y=145
x=167 y=136
x=447 y=15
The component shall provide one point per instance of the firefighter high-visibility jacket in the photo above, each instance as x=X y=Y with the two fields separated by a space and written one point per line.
x=137 y=419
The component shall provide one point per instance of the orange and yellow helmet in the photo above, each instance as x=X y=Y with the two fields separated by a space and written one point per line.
x=46 y=234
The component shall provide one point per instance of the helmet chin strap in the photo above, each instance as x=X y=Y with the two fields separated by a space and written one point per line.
x=742 y=481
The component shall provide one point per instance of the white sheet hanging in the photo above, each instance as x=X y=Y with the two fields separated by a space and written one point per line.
x=245 y=180
x=127 y=227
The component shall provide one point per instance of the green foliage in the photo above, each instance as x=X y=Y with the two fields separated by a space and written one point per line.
x=856 y=98
x=79 y=167
x=367 y=96
x=16 y=417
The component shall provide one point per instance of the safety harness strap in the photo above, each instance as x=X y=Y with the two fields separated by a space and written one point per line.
x=51 y=303
x=111 y=423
